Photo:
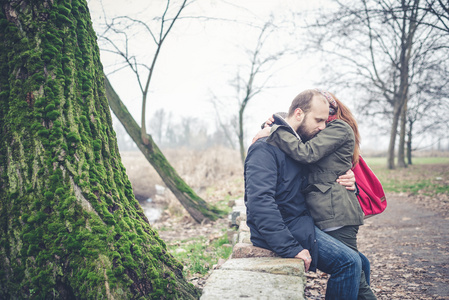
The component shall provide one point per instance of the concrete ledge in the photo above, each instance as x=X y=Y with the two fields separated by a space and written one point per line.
x=245 y=250
x=271 y=265
x=256 y=278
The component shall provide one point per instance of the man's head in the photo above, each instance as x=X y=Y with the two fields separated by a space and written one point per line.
x=308 y=114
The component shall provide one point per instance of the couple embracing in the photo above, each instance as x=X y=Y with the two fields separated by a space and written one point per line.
x=301 y=195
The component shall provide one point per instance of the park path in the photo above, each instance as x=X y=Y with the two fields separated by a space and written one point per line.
x=408 y=246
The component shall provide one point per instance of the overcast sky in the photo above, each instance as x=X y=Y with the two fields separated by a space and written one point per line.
x=201 y=57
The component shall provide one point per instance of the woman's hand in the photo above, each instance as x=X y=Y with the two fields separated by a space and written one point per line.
x=347 y=180
x=263 y=133
x=269 y=122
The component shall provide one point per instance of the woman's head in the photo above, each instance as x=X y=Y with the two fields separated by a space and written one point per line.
x=337 y=110
x=332 y=104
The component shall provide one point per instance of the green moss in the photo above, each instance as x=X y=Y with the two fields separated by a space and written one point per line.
x=50 y=107
x=49 y=195
x=96 y=145
x=43 y=133
x=56 y=227
x=56 y=133
x=59 y=191
x=85 y=139
x=64 y=10
x=69 y=201
x=73 y=137
x=53 y=115
x=37 y=126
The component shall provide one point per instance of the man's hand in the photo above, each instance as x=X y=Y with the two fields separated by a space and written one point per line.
x=305 y=256
x=347 y=180
x=263 y=133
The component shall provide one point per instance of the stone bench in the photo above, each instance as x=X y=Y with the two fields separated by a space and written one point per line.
x=253 y=272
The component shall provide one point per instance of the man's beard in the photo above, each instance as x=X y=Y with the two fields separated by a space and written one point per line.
x=304 y=133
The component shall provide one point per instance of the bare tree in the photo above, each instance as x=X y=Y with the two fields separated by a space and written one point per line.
x=426 y=114
x=429 y=94
x=439 y=10
x=377 y=44
x=120 y=26
x=195 y=206
x=227 y=126
x=157 y=124
x=254 y=81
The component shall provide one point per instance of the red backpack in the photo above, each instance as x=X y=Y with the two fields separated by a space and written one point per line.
x=371 y=194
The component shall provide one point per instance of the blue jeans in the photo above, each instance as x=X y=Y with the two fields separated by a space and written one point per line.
x=366 y=267
x=343 y=264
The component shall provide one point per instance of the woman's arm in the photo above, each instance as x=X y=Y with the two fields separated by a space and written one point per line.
x=262 y=133
x=323 y=144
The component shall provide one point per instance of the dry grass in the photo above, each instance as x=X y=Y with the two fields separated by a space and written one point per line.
x=419 y=153
x=215 y=174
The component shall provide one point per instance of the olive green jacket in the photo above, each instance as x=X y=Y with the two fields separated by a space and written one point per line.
x=328 y=155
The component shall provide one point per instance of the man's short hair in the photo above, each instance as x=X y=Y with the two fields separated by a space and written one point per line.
x=303 y=101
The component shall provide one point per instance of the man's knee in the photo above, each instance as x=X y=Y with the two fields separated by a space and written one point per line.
x=354 y=259
x=351 y=262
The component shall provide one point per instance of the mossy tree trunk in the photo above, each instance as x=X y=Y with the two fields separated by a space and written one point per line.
x=70 y=227
x=198 y=209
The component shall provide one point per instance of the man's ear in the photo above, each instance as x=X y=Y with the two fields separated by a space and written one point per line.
x=299 y=114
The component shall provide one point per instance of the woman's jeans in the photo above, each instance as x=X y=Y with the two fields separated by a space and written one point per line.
x=343 y=264
x=348 y=236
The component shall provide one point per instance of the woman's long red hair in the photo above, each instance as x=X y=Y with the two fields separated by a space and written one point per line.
x=345 y=114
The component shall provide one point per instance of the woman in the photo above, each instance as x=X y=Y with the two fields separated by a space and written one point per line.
x=329 y=154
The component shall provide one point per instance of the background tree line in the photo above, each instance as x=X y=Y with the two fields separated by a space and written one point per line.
x=168 y=132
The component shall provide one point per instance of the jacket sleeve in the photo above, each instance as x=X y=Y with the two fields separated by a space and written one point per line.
x=261 y=169
x=323 y=144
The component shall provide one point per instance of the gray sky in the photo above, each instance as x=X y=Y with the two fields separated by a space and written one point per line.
x=200 y=58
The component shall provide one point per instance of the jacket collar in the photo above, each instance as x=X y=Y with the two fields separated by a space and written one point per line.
x=279 y=119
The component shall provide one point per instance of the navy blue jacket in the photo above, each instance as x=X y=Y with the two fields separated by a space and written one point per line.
x=277 y=214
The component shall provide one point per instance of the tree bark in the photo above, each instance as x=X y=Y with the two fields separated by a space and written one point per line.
x=400 y=105
x=393 y=133
x=402 y=133
x=241 y=135
x=195 y=206
x=409 y=142
x=70 y=225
